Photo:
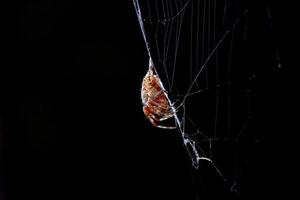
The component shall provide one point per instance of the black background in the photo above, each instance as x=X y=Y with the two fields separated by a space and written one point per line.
x=71 y=117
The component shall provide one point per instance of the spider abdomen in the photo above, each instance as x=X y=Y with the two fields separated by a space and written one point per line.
x=156 y=106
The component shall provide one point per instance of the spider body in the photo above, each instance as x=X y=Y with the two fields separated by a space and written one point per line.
x=156 y=106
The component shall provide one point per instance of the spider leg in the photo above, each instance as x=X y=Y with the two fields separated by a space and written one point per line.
x=153 y=117
x=160 y=126
x=171 y=110
x=168 y=116
x=166 y=127
x=154 y=121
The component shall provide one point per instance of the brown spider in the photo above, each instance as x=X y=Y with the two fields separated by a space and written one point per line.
x=156 y=106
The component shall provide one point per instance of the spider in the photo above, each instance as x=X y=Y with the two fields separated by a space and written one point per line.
x=156 y=106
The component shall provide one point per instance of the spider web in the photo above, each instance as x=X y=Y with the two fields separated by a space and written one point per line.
x=202 y=51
